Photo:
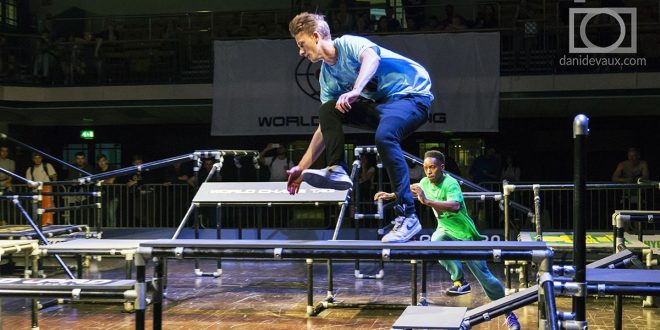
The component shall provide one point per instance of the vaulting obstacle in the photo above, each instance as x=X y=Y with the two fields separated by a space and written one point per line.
x=263 y=194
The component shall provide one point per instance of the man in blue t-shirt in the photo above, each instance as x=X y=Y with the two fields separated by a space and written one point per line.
x=366 y=86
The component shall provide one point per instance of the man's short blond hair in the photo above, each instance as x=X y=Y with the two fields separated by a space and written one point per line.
x=309 y=23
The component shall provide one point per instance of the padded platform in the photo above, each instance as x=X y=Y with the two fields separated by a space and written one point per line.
x=524 y=297
x=93 y=246
x=430 y=317
x=596 y=241
x=264 y=193
x=26 y=232
x=644 y=277
x=347 y=244
x=41 y=284
x=612 y=259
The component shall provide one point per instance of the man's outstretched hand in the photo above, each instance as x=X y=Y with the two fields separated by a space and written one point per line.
x=385 y=196
x=418 y=192
x=294 y=180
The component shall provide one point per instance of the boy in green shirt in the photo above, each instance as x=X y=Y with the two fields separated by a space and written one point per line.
x=443 y=194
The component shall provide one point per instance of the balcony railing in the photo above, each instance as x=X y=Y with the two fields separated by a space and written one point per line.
x=165 y=49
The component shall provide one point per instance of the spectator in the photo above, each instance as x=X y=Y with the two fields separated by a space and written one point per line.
x=261 y=31
x=139 y=178
x=486 y=167
x=510 y=171
x=5 y=180
x=80 y=162
x=411 y=24
x=103 y=166
x=278 y=164
x=342 y=19
x=43 y=172
x=457 y=24
x=207 y=165
x=487 y=18
x=388 y=22
x=362 y=24
x=178 y=173
x=366 y=178
x=414 y=10
x=44 y=60
x=451 y=166
x=393 y=24
x=85 y=59
x=140 y=194
x=431 y=24
x=109 y=200
x=632 y=169
x=452 y=19
x=7 y=164
x=109 y=34
x=40 y=171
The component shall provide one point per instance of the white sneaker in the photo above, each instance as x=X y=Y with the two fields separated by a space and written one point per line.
x=331 y=177
x=404 y=229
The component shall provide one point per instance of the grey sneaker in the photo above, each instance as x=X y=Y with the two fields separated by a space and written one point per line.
x=404 y=229
x=331 y=177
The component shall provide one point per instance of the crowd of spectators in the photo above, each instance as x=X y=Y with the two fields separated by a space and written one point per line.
x=414 y=19
x=113 y=49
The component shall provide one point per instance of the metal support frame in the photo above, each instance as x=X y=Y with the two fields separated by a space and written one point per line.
x=283 y=250
x=41 y=236
x=380 y=212
x=580 y=132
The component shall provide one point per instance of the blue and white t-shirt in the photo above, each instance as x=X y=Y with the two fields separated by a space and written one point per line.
x=396 y=75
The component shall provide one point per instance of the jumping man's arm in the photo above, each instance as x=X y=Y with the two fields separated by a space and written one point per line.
x=314 y=150
x=369 y=62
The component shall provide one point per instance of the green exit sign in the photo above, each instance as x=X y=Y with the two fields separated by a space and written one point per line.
x=87 y=134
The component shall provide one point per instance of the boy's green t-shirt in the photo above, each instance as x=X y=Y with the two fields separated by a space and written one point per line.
x=458 y=225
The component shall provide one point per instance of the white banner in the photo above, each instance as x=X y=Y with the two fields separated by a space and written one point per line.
x=262 y=87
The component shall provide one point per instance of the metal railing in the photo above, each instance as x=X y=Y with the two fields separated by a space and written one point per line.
x=164 y=205
x=602 y=199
